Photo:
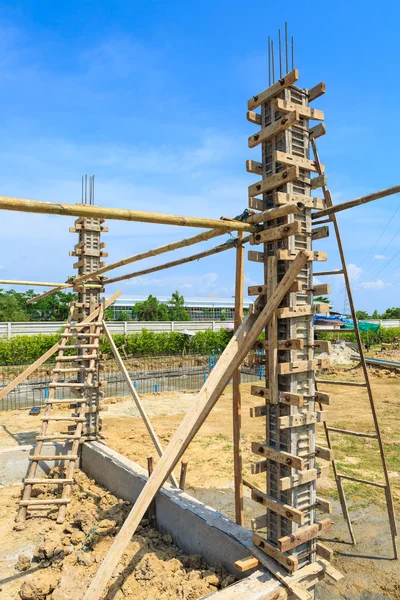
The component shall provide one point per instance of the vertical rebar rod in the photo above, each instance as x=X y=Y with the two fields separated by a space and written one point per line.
x=82 y=191
x=93 y=189
x=286 y=47
x=85 y=189
x=273 y=61
x=292 y=53
x=269 y=60
x=280 y=53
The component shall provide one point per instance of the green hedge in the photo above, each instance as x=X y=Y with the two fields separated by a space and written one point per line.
x=370 y=337
x=25 y=349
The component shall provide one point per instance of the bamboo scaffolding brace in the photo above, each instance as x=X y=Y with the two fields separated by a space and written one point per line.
x=119 y=214
x=357 y=202
x=33 y=283
x=181 y=261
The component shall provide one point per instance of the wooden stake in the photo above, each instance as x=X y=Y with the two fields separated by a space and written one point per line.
x=182 y=478
x=237 y=400
x=231 y=358
x=151 y=512
x=136 y=398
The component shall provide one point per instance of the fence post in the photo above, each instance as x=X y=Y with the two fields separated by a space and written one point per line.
x=172 y=326
x=213 y=325
x=125 y=327
x=9 y=330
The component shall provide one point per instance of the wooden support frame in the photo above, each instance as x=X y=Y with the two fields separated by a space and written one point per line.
x=136 y=398
x=230 y=359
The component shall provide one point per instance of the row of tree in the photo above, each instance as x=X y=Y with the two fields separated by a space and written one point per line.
x=13 y=307
x=390 y=313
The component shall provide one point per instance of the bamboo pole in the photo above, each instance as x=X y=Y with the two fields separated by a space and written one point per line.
x=200 y=237
x=230 y=359
x=276 y=213
x=180 y=261
x=236 y=397
x=352 y=203
x=136 y=398
x=119 y=214
x=33 y=283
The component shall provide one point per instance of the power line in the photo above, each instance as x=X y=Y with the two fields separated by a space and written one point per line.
x=387 y=225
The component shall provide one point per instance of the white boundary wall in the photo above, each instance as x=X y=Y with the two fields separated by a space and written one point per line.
x=49 y=327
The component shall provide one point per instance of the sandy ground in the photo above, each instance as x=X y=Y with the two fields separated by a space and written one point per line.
x=370 y=574
x=43 y=560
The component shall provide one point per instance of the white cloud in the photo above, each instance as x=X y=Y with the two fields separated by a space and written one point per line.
x=373 y=285
x=354 y=272
x=380 y=257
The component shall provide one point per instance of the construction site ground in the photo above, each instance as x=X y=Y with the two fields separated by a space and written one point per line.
x=370 y=573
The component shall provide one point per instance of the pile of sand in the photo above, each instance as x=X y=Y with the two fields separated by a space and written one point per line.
x=340 y=354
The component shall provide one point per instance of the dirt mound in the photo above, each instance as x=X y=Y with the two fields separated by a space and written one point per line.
x=340 y=354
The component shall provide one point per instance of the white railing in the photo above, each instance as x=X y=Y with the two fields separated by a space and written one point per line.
x=48 y=327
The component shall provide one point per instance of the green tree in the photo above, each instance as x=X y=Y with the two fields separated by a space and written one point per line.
x=124 y=315
x=176 y=308
x=391 y=313
x=151 y=310
x=11 y=307
x=362 y=315
x=321 y=299
x=375 y=315
x=52 y=308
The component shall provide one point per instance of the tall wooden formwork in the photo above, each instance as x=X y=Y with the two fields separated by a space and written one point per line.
x=289 y=449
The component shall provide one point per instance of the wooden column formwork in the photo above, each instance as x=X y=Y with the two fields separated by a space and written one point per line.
x=291 y=145
x=89 y=253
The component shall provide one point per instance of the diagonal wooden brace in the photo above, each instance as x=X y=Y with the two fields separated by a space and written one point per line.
x=233 y=355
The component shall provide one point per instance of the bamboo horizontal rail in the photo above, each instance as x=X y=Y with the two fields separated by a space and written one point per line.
x=181 y=261
x=119 y=214
x=357 y=202
x=276 y=213
x=33 y=283
x=200 y=237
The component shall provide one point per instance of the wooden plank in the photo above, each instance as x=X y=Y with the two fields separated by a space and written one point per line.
x=236 y=396
x=252 y=166
x=55 y=457
x=260 y=290
x=324 y=506
x=256 y=203
x=285 y=510
x=324 y=453
x=320 y=233
x=231 y=358
x=270 y=131
x=253 y=117
x=135 y=396
x=316 y=91
x=295 y=161
x=322 y=398
x=323 y=346
x=245 y=564
x=300 y=478
x=308 y=418
x=309 y=202
x=289 y=562
x=274 y=181
x=324 y=551
x=332 y=573
x=284 y=458
x=316 y=131
x=306 y=112
x=254 y=256
x=291 y=399
x=315 y=255
x=304 y=534
x=296 y=344
x=261 y=392
x=276 y=233
x=258 y=411
x=297 y=592
x=295 y=311
x=317 y=182
x=301 y=366
x=44 y=501
x=273 y=90
x=321 y=289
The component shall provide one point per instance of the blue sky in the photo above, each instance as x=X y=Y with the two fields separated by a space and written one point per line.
x=151 y=97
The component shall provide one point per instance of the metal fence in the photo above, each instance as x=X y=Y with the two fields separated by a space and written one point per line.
x=12 y=329
x=153 y=374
